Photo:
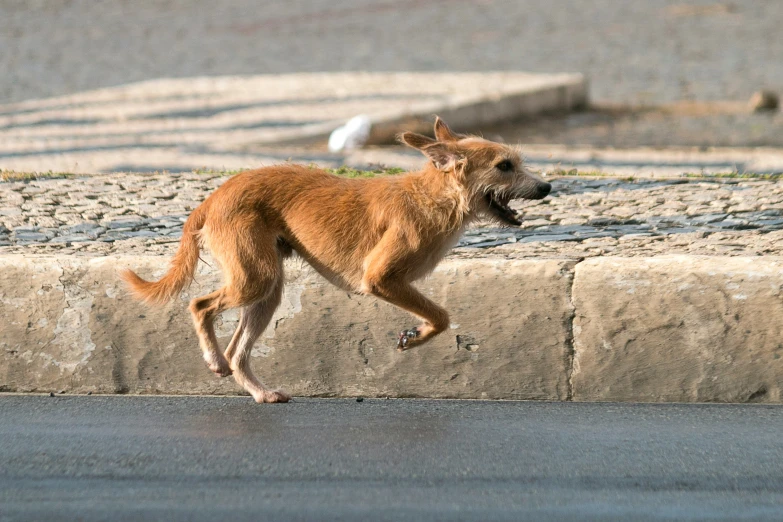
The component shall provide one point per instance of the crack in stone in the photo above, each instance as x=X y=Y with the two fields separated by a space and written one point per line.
x=569 y=341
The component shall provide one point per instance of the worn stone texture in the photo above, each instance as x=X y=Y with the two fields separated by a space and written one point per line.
x=70 y=326
x=678 y=329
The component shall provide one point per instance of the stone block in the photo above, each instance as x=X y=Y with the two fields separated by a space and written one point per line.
x=71 y=326
x=678 y=329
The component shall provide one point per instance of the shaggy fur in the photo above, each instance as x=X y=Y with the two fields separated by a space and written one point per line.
x=373 y=236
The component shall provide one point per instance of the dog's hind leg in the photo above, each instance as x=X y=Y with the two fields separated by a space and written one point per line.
x=204 y=311
x=252 y=268
x=252 y=260
x=254 y=321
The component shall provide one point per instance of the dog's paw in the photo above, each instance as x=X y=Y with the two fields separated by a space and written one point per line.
x=406 y=337
x=219 y=366
x=221 y=371
x=272 y=396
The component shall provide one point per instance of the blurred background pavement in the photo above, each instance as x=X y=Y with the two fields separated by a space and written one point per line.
x=662 y=73
x=635 y=52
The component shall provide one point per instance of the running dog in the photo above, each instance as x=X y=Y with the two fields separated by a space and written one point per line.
x=372 y=236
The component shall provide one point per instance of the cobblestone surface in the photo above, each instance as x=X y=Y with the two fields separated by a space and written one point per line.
x=144 y=213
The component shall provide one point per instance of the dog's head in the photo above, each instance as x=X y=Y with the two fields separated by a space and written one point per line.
x=491 y=173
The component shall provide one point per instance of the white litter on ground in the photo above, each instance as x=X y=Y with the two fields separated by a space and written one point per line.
x=352 y=135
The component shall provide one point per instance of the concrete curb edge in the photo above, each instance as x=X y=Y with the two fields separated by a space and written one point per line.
x=662 y=329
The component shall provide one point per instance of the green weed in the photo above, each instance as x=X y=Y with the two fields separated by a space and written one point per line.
x=11 y=175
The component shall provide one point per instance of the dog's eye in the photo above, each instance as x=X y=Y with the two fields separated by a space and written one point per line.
x=505 y=166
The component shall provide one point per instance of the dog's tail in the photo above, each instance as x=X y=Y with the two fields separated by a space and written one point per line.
x=183 y=266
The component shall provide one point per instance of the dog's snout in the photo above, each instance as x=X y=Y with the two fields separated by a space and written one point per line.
x=543 y=189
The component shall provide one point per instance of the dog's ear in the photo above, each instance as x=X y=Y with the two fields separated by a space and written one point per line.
x=439 y=153
x=417 y=141
x=443 y=157
x=443 y=132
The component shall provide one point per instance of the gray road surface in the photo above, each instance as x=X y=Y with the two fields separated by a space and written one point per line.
x=641 y=51
x=162 y=458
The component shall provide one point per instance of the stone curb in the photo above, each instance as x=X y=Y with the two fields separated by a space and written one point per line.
x=670 y=328
x=678 y=329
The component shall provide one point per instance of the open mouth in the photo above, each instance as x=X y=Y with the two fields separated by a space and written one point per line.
x=498 y=207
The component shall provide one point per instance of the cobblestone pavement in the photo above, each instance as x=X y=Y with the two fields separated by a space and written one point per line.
x=144 y=213
x=643 y=51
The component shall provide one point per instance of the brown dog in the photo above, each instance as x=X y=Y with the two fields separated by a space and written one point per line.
x=373 y=236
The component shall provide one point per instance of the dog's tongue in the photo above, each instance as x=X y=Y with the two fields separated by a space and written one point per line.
x=507 y=213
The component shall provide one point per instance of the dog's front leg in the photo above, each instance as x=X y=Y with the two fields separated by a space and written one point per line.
x=383 y=278
x=436 y=319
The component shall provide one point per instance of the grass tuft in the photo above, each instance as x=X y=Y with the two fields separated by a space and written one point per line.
x=12 y=175
x=349 y=172
x=346 y=172
x=218 y=172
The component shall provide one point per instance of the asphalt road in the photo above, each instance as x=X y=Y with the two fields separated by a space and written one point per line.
x=638 y=51
x=163 y=458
